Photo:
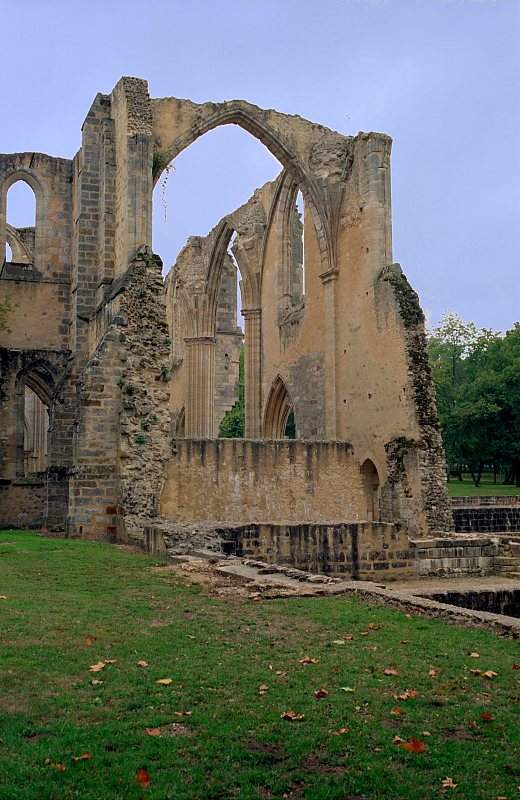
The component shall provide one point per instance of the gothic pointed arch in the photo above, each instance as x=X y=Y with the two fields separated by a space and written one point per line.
x=278 y=408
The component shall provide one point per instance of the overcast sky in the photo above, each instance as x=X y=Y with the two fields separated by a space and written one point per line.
x=442 y=77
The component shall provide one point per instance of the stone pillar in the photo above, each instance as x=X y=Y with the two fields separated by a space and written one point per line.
x=253 y=372
x=328 y=280
x=200 y=387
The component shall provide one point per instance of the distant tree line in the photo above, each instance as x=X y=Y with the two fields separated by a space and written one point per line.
x=476 y=373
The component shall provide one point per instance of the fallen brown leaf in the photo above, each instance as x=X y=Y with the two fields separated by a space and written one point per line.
x=414 y=745
x=408 y=694
x=319 y=693
x=397 y=740
x=3 y=597
x=263 y=688
x=447 y=783
x=183 y=713
x=97 y=667
x=516 y=666
x=292 y=716
x=110 y=660
x=390 y=671
x=89 y=640
x=341 y=731
x=432 y=672
x=397 y=712
x=95 y=682
x=308 y=660
x=487 y=716
x=153 y=731
x=55 y=765
x=143 y=663
x=142 y=777
x=489 y=674
x=164 y=681
x=474 y=655
x=82 y=757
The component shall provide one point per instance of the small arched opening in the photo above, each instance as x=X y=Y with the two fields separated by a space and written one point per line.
x=279 y=420
x=370 y=477
x=34 y=394
x=20 y=234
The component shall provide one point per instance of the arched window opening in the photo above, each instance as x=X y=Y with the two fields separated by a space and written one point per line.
x=35 y=432
x=279 y=419
x=205 y=183
x=229 y=383
x=370 y=477
x=21 y=223
x=298 y=245
x=211 y=178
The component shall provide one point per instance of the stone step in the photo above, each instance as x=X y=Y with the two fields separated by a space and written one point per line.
x=507 y=561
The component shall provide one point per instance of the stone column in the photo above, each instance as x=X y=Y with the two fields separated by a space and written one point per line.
x=200 y=387
x=328 y=280
x=253 y=372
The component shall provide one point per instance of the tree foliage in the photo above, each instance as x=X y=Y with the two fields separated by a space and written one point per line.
x=233 y=424
x=477 y=379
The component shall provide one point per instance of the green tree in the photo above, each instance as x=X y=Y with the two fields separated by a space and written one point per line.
x=476 y=374
x=233 y=423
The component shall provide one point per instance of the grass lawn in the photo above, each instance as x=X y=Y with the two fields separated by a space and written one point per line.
x=73 y=604
x=466 y=488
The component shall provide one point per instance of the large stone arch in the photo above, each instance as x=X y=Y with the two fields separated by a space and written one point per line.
x=294 y=141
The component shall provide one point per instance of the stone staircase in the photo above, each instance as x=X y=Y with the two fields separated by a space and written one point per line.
x=507 y=562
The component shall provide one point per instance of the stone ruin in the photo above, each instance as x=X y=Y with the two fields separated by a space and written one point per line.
x=114 y=381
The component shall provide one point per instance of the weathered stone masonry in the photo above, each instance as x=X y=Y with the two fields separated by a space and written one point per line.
x=137 y=372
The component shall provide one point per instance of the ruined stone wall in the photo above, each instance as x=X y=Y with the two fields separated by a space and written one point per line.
x=359 y=550
x=245 y=481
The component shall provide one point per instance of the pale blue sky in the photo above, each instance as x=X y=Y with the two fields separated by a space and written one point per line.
x=441 y=77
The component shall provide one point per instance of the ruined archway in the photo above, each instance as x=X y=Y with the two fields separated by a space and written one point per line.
x=370 y=478
x=279 y=408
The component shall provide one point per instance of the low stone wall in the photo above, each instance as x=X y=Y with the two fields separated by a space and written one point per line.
x=240 y=481
x=444 y=557
x=486 y=518
x=490 y=500
x=368 y=550
x=497 y=601
x=23 y=503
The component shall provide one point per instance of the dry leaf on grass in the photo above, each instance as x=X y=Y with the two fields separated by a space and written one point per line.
x=142 y=663
x=487 y=716
x=474 y=655
x=263 y=688
x=97 y=667
x=110 y=660
x=292 y=716
x=308 y=660
x=390 y=671
x=55 y=765
x=82 y=757
x=338 y=641
x=89 y=640
x=408 y=694
x=183 y=713
x=164 y=681
x=414 y=745
x=3 y=597
x=347 y=689
x=448 y=783
x=432 y=672
x=488 y=673
x=96 y=682
x=142 y=777
x=397 y=712
x=341 y=731
x=319 y=693
x=516 y=666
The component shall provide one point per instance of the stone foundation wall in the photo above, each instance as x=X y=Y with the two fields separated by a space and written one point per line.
x=455 y=556
x=23 y=503
x=486 y=519
x=491 y=500
x=368 y=550
x=241 y=481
